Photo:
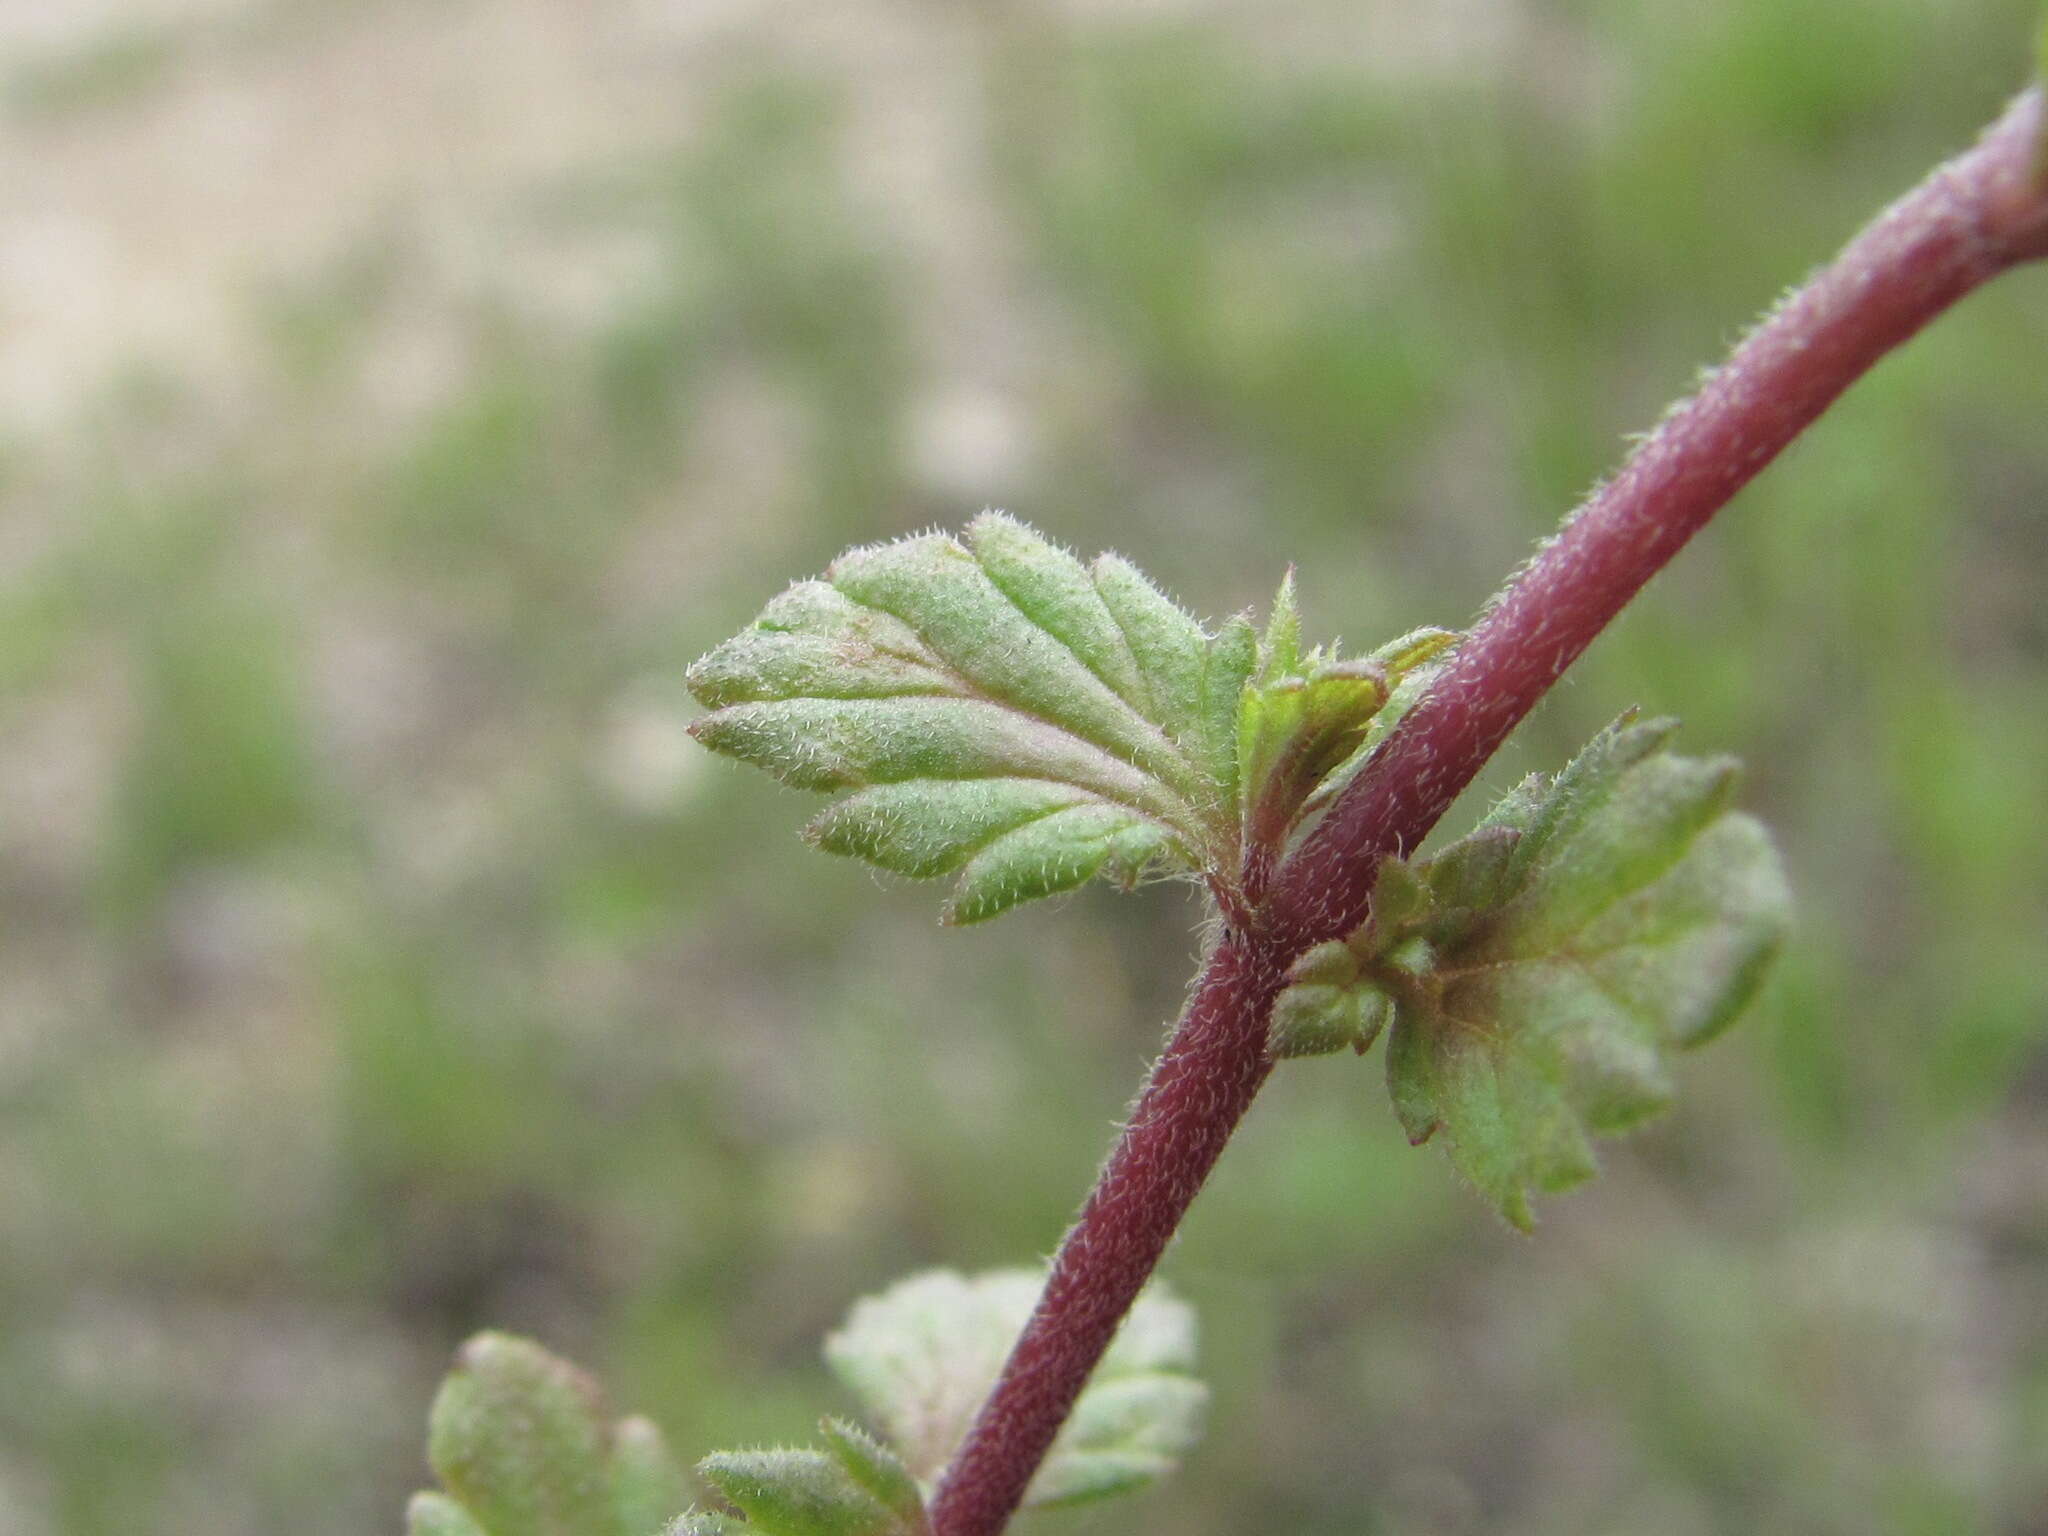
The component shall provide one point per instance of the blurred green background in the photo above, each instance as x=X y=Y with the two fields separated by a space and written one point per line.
x=395 y=398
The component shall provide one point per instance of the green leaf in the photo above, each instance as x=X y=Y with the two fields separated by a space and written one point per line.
x=878 y=1471
x=923 y=1355
x=1411 y=663
x=1305 y=717
x=1329 y=1003
x=1280 y=646
x=855 y=1487
x=812 y=1493
x=1226 y=676
x=521 y=1444
x=648 y=1484
x=1004 y=714
x=1342 y=993
x=1591 y=924
x=518 y=1438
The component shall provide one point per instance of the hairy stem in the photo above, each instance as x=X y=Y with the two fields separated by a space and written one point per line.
x=1973 y=218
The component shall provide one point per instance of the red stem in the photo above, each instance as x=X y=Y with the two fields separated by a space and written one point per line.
x=1975 y=217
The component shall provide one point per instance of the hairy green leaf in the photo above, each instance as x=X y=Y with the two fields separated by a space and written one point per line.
x=1411 y=662
x=854 y=1487
x=1593 y=923
x=1329 y=1003
x=1005 y=714
x=518 y=1438
x=799 y=1493
x=878 y=1471
x=923 y=1355
x=521 y=1444
x=1304 y=716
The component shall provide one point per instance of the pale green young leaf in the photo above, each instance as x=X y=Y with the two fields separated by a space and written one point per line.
x=1417 y=648
x=1328 y=1004
x=518 y=1438
x=1564 y=802
x=923 y=1355
x=1126 y=1432
x=1341 y=993
x=1055 y=592
x=1401 y=900
x=1306 y=718
x=1603 y=919
x=1411 y=662
x=1293 y=730
x=1004 y=714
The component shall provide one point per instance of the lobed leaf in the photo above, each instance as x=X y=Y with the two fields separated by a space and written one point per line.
x=517 y=1437
x=923 y=1355
x=1591 y=925
x=1537 y=971
x=521 y=1445
x=1004 y=714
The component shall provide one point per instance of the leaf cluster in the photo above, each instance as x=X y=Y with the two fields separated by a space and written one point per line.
x=921 y=1357
x=1007 y=716
x=522 y=1445
x=1020 y=722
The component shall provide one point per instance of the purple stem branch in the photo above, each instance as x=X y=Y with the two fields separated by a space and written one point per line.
x=1975 y=217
